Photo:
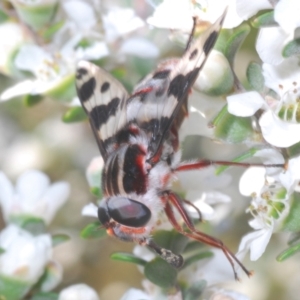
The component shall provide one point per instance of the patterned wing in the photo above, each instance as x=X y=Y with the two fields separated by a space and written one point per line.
x=103 y=98
x=156 y=102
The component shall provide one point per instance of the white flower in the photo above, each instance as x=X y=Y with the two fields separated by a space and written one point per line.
x=32 y=196
x=246 y=9
x=140 y=47
x=78 y=292
x=270 y=191
x=256 y=241
x=25 y=256
x=200 y=187
x=135 y=294
x=118 y=22
x=221 y=294
x=93 y=172
x=90 y=210
x=279 y=123
x=11 y=36
x=178 y=14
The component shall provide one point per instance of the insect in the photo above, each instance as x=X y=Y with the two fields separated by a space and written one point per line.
x=137 y=136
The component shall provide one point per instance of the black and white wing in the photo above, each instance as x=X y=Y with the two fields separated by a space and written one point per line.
x=156 y=102
x=103 y=98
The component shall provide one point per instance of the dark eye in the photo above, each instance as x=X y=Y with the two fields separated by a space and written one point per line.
x=128 y=212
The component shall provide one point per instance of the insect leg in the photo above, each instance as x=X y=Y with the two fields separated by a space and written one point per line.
x=200 y=164
x=167 y=255
x=197 y=235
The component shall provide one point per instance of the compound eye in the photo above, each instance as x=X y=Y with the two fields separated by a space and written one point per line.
x=128 y=212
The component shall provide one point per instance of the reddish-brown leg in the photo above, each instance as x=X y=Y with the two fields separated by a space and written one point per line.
x=197 y=235
x=200 y=164
x=194 y=206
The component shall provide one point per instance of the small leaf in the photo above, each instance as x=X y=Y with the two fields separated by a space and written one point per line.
x=92 y=231
x=195 y=290
x=292 y=221
x=128 y=257
x=231 y=128
x=49 y=32
x=12 y=289
x=293 y=150
x=96 y=191
x=288 y=253
x=171 y=240
x=160 y=273
x=192 y=246
x=36 y=15
x=31 y=100
x=235 y=41
x=45 y=296
x=74 y=114
x=3 y=17
x=240 y=158
x=255 y=77
x=264 y=20
x=292 y=48
x=196 y=257
x=59 y=239
x=1 y=250
x=294 y=238
x=32 y=224
x=63 y=92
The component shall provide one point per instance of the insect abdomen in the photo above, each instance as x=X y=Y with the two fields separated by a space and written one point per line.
x=125 y=171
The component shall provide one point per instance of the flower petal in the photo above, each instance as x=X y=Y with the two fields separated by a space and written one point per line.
x=78 y=292
x=140 y=47
x=277 y=132
x=269 y=44
x=252 y=181
x=245 y=104
x=281 y=77
x=90 y=210
x=246 y=9
x=31 y=185
x=286 y=13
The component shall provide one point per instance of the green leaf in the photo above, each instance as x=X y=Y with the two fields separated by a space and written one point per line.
x=294 y=238
x=235 y=41
x=74 y=114
x=12 y=289
x=264 y=20
x=240 y=158
x=160 y=273
x=292 y=221
x=49 y=32
x=128 y=257
x=92 y=231
x=96 y=191
x=59 y=239
x=293 y=150
x=31 y=100
x=171 y=240
x=288 y=253
x=3 y=17
x=36 y=15
x=196 y=257
x=45 y=296
x=63 y=92
x=32 y=224
x=255 y=77
x=292 y=48
x=192 y=246
x=195 y=290
x=1 y=250
x=231 y=128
